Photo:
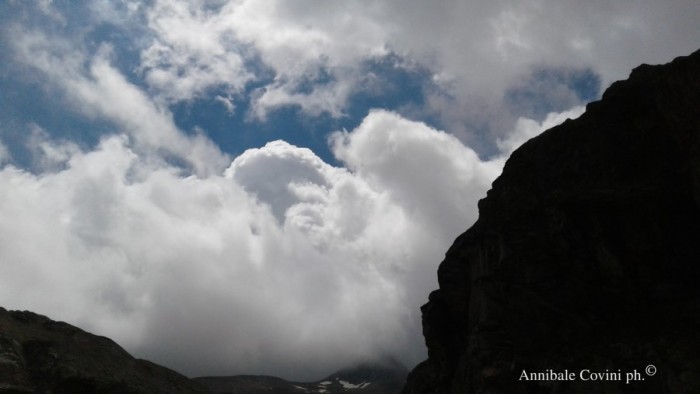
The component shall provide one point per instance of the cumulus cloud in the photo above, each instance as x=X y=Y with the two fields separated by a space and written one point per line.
x=282 y=264
x=415 y=161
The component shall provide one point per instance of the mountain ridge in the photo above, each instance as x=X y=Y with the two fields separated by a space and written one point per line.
x=40 y=355
x=364 y=378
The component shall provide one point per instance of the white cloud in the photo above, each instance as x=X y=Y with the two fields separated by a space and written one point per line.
x=277 y=173
x=474 y=50
x=98 y=89
x=316 y=56
x=327 y=98
x=49 y=156
x=198 y=46
x=283 y=264
x=526 y=129
x=428 y=172
x=120 y=12
x=227 y=102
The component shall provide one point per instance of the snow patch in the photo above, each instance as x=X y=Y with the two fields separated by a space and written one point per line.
x=348 y=385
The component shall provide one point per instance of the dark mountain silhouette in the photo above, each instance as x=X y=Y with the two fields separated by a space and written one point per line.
x=585 y=258
x=39 y=355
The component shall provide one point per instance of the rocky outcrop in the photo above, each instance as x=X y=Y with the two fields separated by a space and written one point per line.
x=585 y=258
x=39 y=355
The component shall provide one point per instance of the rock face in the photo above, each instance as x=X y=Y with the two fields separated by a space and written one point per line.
x=585 y=257
x=39 y=355
x=371 y=378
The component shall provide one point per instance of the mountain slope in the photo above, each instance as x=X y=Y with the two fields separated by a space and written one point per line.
x=585 y=257
x=39 y=355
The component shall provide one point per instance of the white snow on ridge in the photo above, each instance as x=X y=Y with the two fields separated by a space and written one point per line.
x=348 y=385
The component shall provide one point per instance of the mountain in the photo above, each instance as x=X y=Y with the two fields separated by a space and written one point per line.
x=39 y=355
x=370 y=378
x=583 y=269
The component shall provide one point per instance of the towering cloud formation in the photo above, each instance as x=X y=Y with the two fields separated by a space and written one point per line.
x=282 y=264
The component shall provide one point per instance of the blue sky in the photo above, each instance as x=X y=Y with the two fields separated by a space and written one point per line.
x=397 y=83
x=267 y=187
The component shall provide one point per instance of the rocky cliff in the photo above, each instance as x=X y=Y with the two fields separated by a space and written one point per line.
x=583 y=269
x=39 y=355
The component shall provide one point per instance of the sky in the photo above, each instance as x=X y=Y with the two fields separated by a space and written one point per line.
x=265 y=186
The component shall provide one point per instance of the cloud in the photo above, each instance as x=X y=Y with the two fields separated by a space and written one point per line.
x=427 y=171
x=48 y=155
x=526 y=129
x=552 y=90
x=262 y=55
x=475 y=51
x=282 y=264
x=97 y=89
x=197 y=47
x=193 y=51
x=281 y=174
